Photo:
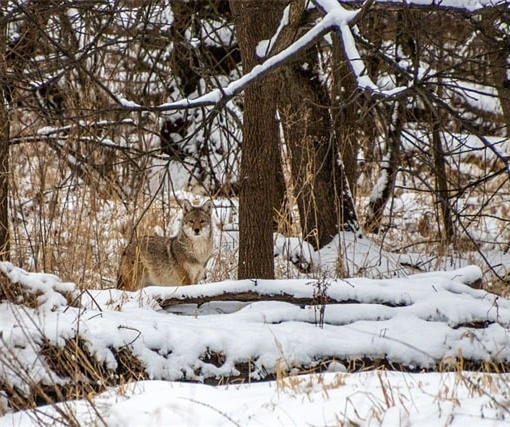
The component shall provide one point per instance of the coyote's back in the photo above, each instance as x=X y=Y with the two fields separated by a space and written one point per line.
x=180 y=260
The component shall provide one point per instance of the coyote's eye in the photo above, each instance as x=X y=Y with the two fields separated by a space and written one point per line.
x=202 y=221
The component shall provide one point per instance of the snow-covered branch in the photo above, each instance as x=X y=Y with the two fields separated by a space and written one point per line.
x=336 y=17
x=464 y=5
x=341 y=20
x=221 y=95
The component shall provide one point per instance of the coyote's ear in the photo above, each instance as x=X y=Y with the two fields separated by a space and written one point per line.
x=186 y=205
x=207 y=207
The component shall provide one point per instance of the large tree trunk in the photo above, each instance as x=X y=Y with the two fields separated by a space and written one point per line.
x=322 y=190
x=254 y=21
x=4 y=148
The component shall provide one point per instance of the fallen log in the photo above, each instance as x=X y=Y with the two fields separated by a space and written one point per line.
x=320 y=291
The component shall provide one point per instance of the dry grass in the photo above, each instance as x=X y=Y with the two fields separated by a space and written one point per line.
x=63 y=225
x=77 y=375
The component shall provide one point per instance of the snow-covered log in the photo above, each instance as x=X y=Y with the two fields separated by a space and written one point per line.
x=300 y=292
x=425 y=321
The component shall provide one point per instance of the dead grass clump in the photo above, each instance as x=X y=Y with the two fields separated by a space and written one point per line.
x=18 y=293
x=216 y=358
x=77 y=366
x=129 y=367
x=500 y=286
x=75 y=374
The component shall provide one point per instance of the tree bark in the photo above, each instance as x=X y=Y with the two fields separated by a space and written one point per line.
x=442 y=192
x=255 y=21
x=383 y=190
x=440 y=170
x=323 y=195
x=345 y=112
x=4 y=148
x=14 y=57
x=322 y=190
x=497 y=43
x=183 y=61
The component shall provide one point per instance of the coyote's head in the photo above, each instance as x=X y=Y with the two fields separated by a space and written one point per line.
x=196 y=221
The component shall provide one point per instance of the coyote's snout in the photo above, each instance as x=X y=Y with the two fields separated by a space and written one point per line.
x=180 y=260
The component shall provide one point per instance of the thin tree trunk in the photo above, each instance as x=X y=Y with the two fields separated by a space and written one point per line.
x=442 y=180
x=441 y=177
x=183 y=61
x=383 y=190
x=499 y=60
x=497 y=44
x=4 y=148
x=17 y=56
x=346 y=112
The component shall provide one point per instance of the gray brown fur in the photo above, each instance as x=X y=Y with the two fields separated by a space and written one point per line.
x=177 y=261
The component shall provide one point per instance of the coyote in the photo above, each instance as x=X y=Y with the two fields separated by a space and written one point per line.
x=179 y=260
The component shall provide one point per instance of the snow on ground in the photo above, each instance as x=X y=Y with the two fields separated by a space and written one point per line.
x=364 y=257
x=420 y=321
x=371 y=398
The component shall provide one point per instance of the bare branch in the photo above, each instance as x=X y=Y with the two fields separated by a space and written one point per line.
x=335 y=17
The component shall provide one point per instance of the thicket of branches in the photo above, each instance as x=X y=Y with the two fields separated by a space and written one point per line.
x=86 y=88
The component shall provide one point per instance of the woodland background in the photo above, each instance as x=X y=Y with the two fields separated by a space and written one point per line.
x=80 y=169
x=354 y=141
